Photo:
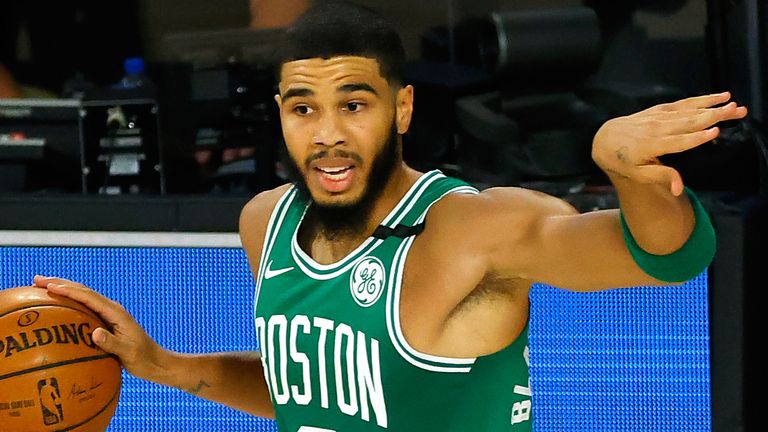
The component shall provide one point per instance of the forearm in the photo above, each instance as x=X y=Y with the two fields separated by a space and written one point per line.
x=232 y=379
x=659 y=221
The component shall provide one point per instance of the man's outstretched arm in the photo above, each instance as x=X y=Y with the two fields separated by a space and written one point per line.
x=657 y=237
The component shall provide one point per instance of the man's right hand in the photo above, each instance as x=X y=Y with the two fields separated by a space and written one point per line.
x=139 y=354
x=233 y=379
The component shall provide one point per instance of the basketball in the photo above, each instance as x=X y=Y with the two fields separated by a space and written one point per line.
x=52 y=376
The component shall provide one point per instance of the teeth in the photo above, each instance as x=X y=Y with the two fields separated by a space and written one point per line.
x=335 y=173
x=333 y=170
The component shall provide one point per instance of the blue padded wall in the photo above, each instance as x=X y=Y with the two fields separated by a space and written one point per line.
x=632 y=359
x=625 y=360
x=189 y=300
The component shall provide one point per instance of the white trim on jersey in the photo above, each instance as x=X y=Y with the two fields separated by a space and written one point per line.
x=308 y=265
x=269 y=239
x=408 y=352
x=426 y=179
x=413 y=201
x=343 y=263
x=317 y=276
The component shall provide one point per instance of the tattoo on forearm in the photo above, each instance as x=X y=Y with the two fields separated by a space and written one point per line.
x=621 y=153
x=199 y=387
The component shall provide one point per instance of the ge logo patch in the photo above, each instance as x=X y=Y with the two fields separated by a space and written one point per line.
x=366 y=283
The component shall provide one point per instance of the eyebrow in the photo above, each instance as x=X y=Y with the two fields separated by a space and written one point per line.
x=349 y=88
x=346 y=88
x=297 y=92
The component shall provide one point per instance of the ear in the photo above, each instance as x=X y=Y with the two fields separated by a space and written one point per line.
x=404 y=108
x=279 y=102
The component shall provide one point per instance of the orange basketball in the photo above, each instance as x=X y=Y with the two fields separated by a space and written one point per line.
x=52 y=376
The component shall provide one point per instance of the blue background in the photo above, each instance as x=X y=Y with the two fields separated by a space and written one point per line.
x=632 y=359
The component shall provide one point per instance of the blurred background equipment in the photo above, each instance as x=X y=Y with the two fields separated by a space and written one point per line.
x=105 y=143
x=121 y=142
x=557 y=74
x=221 y=112
x=40 y=146
x=526 y=89
x=544 y=48
x=45 y=44
x=122 y=151
x=738 y=46
x=537 y=121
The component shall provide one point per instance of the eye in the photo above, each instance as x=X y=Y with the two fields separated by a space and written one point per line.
x=302 y=109
x=353 y=106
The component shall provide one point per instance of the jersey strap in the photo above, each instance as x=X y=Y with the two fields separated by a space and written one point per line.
x=401 y=231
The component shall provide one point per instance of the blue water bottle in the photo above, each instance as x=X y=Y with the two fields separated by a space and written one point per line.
x=134 y=77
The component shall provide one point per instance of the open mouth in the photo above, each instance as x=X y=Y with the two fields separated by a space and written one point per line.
x=335 y=179
x=335 y=173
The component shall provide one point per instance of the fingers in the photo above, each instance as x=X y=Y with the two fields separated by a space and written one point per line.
x=683 y=142
x=107 y=341
x=630 y=145
x=110 y=311
x=695 y=102
x=122 y=336
x=687 y=121
x=43 y=281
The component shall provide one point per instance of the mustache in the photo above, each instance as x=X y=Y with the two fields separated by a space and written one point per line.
x=336 y=153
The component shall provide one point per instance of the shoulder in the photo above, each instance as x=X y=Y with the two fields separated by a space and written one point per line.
x=511 y=207
x=254 y=219
x=262 y=204
x=482 y=227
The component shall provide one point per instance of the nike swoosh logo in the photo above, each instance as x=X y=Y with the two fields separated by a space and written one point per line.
x=269 y=273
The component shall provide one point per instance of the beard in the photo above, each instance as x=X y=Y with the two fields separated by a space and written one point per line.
x=347 y=218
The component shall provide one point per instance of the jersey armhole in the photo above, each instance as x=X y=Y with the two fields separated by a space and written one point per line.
x=407 y=352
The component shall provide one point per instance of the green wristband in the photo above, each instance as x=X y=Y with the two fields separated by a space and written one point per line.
x=685 y=263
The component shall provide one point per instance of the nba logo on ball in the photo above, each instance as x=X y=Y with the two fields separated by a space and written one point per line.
x=50 y=401
x=366 y=283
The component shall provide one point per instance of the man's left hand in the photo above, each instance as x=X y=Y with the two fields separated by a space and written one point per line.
x=629 y=147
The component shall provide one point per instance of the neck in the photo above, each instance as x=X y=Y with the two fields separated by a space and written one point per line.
x=401 y=180
x=328 y=247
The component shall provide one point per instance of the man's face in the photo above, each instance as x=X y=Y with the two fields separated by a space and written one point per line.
x=337 y=116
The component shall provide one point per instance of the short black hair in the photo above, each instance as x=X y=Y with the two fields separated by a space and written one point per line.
x=340 y=28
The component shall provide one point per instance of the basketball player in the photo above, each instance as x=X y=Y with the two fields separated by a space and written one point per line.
x=388 y=298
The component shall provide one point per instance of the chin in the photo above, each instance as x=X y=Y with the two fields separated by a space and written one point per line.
x=347 y=198
x=340 y=200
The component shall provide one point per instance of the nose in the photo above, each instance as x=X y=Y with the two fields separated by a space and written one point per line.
x=329 y=132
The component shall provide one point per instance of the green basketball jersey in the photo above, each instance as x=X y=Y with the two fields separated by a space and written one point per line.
x=334 y=354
